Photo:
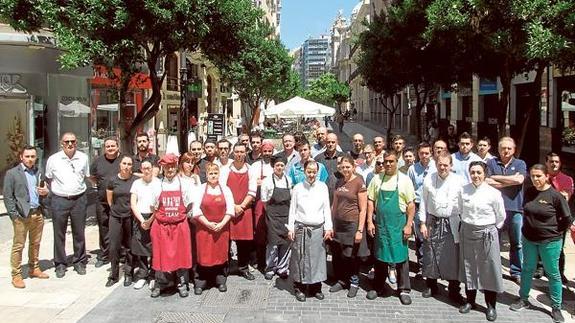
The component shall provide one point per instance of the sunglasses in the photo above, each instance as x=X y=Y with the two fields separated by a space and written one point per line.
x=69 y=142
x=379 y=163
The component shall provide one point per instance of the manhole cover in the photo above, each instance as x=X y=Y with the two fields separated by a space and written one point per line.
x=189 y=317
x=242 y=297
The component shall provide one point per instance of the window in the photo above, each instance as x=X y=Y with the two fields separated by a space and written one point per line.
x=172 y=70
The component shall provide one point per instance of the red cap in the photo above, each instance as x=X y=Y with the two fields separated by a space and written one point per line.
x=169 y=159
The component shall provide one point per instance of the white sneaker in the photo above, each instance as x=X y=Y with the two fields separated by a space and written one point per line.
x=152 y=284
x=140 y=284
x=392 y=278
x=251 y=269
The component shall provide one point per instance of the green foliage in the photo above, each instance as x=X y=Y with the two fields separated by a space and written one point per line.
x=290 y=88
x=327 y=90
x=135 y=34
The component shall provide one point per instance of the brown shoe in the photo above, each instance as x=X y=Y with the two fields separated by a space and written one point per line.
x=37 y=273
x=18 y=282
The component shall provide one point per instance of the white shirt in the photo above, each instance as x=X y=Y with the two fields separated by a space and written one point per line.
x=147 y=194
x=364 y=170
x=267 y=188
x=260 y=169
x=440 y=197
x=310 y=205
x=189 y=189
x=482 y=205
x=68 y=174
x=196 y=209
x=219 y=163
x=252 y=181
x=461 y=164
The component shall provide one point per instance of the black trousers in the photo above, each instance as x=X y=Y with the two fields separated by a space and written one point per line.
x=311 y=289
x=402 y=270
x=144 y=265
x=452 y=287
x=103 y=217
x=120 y=236
x=346 y=269
x=75 y=210
x=245 y=249
x=490 y=297
x=217 y=275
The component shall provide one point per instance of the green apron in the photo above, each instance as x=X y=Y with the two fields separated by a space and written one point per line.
x=390 y=247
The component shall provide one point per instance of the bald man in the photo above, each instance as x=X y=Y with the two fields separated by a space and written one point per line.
x=357 y=144
x=319 y=146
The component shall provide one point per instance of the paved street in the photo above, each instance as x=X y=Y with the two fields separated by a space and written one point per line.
x=85 y=299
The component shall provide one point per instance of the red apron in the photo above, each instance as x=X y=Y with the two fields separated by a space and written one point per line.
x=212 y=247
x=260 y=214
x=170 y=233
x=241 y=227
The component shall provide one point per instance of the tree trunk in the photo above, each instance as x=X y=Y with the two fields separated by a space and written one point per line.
x=534 y=106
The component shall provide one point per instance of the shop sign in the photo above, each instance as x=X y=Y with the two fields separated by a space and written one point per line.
x=216 y=122
x=9 y=84
x=194 y=89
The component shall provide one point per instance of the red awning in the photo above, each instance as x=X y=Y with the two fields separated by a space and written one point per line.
x=103 y=79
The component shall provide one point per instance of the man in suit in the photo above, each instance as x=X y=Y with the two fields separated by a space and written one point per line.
x=22 y=198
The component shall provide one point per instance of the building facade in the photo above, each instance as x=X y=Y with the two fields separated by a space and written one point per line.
x=315 y=59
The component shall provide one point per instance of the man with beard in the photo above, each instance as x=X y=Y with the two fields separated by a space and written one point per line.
x=243 y=188
x=256 y=153
x=439 y=222
x=320 y=145
x=102 y=168
x=143 y=142
x=260 y=170
x=329 y=159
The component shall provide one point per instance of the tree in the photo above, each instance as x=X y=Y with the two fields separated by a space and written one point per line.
x=395 y=55
x=327 y=90
x=259 y=71
x=288 y=89
x=505 y=38
x=134 y=34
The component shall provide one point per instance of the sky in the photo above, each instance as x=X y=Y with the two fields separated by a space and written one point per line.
x=303 y=18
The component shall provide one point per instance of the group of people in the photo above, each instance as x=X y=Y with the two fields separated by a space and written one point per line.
x=173 y=219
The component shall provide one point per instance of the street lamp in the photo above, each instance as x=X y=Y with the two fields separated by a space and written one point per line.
x=183 y=131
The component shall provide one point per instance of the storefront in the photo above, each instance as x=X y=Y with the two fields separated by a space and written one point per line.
x=38 y=100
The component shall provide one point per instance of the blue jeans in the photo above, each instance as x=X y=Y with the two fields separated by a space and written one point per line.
x=512 y=225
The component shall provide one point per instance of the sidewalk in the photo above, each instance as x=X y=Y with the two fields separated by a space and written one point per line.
x=50 y=300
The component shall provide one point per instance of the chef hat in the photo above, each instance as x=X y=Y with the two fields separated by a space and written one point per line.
x=169 y=159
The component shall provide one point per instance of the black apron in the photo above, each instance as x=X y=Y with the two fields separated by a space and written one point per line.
x=277 y=211
x=141 y=244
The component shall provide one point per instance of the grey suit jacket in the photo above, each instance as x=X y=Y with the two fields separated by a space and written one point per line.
x=16 y=197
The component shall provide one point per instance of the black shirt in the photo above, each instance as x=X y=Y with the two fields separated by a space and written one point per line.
x=121 y=195
x=137 y=162
x=330 y=164
x=102 y=168
x=546 y=215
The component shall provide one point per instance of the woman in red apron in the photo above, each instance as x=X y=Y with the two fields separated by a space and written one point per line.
x=170 y=231
x=212 y=212
x=242 y=225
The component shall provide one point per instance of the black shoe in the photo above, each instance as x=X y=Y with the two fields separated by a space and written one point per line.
x=269 y=276
x=319 y=295
x=466 y=308
x=300 y=296
x=80 y=268
x=223 y=288
x=127 y=281
x=405 y=299
x=183 y=290
x=538 y=273
x=284 y=276
x=60 y=271
x=352 y=292
x=428 y=292
x=198 y=291
x=491 y=314
x=111 y=282
x=519 y=305
x=564 y=280
x=456 y=298
x=557 y=315
x=372 y=294
x=155 y=292
x=336 y=287
x=247 y=275
x=516 y=279
x=100 y=263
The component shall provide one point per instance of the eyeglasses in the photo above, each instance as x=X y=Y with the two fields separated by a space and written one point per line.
x=379 y=163
x=69 y=142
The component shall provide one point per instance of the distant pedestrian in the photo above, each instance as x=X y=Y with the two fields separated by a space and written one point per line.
x=66 y=172
x=339 y=118
x=24 y=192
